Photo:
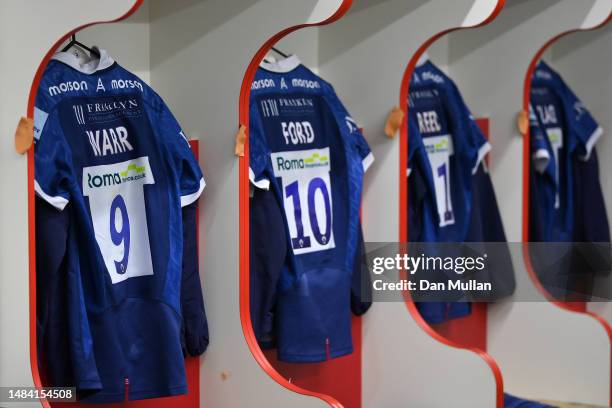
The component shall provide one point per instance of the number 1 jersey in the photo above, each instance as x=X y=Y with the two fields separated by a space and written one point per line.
x=109 y=150
x=306 y=147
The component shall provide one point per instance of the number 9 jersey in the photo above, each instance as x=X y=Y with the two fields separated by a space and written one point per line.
x=107 y=145
x=304 y=145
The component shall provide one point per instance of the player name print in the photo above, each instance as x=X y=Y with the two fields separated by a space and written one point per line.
x=109 y=141
x=429 y=122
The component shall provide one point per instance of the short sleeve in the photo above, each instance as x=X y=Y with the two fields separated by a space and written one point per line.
x=190 y=179
x=477 y=144
x=481 y=145
x=367 y=158
x=258 y=152
x=585 y=127
x=52 y=165
x=354 y=132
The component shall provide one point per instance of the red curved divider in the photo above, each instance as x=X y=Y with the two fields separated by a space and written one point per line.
x=243 y=120
x=31 y=206
x=403 y=213
x=526 y=168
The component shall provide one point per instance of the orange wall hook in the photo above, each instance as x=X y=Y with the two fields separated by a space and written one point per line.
x=240 y=141
x=24 y=135
x=394 y=121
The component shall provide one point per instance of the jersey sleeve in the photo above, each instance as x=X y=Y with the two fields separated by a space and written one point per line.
x=477 y=144
x=367 y=158
x=585 y=127
x=190 y=179
x=53 y=165
x=258 y=152
x=361 y=283
x=345 y=119
x=195 y=326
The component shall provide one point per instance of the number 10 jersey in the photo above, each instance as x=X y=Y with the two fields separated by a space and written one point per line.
x=306 y=147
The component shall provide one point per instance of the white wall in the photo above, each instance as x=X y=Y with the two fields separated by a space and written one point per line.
x=199 y=54
x=194 y=54
x=543 y=351
x=364 y=56
x=127 y=41
x=25 y=37
x=584 y=60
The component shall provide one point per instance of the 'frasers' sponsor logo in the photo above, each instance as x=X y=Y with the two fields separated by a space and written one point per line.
x=305 y=83
x=263 y=84
x=543 y=75
x=432 y=76
x=69 y=86
x=126 y=84
x=415 y=96
x=110 y=106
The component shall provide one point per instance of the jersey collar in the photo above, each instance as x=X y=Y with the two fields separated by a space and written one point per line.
x=87 y=65
x=286 y=65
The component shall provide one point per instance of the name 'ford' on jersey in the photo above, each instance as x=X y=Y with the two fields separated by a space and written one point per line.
x=451 y=198
x=109 y=148
x=305 y=146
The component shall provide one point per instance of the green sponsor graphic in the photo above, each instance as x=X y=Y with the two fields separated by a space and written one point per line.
x=441 y=146
x=554 y=136
x=132 y=167
x=111 y=179
x=315 y=157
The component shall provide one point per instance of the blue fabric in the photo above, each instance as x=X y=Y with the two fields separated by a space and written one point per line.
x=111 y=149
x=557 y=114
x=268 y=252
x=305 y=144
x=566 y=200
x=195 y=334
x=450 y=196
x=511 y=401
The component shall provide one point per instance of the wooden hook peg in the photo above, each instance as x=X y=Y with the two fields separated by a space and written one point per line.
x=24 y=135
x=522 y=122
x=394 y=121
x=240 y=141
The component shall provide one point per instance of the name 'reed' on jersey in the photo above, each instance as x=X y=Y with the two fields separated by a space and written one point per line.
x=108 y=148
x=448 y=147
x=450 y=195
x=305 y=147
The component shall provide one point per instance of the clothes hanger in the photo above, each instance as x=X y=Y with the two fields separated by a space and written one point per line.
x=74 y=41
x=279 y=52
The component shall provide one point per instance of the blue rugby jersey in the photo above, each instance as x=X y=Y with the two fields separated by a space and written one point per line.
x=108 y=145
x=307 y=149
x=451 y=198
